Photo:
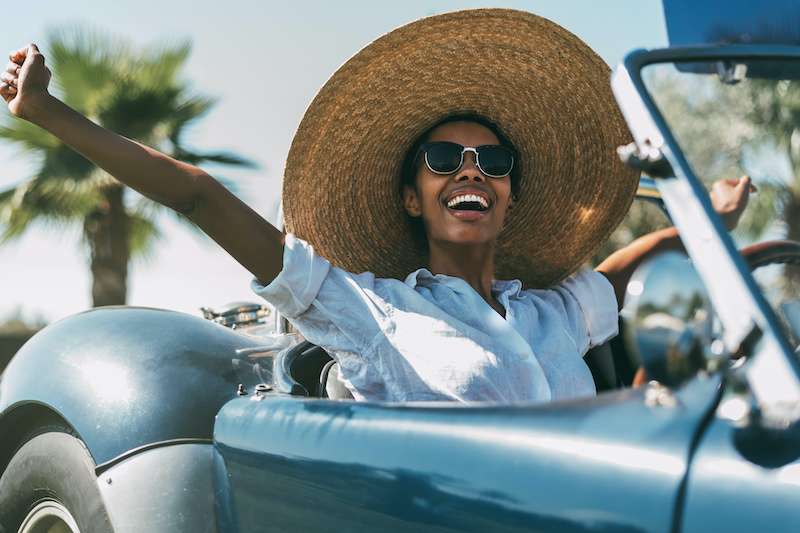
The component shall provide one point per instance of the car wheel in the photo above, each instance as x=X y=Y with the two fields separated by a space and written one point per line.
x=50 y=487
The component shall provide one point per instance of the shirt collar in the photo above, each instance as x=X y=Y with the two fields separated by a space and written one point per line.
x=424 y=277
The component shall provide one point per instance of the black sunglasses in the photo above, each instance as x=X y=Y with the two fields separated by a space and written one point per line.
x=445 y=157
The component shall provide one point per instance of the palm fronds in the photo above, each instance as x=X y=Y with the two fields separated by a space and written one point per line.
x=58 y=202
x=138 y=93
x=32 y=139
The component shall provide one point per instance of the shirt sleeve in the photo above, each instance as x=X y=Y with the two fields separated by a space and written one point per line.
x=330 y=307
x=590 y=306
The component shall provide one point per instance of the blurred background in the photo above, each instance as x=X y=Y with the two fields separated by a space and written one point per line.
x=224 y=84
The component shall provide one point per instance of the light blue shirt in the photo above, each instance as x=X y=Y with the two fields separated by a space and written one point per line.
x=433 y=337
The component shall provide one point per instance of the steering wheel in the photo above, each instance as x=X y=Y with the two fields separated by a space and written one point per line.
x=781 y=252
x=610 y=359
x=772 y=253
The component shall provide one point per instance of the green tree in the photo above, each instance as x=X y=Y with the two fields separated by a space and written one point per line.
x=137 y=93
x=774 y=112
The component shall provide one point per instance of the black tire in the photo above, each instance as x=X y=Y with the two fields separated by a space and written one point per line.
x=52 y=466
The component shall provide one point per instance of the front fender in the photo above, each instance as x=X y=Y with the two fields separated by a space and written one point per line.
x=127 y=378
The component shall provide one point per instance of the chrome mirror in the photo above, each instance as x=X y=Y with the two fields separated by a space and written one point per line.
x=668 y=319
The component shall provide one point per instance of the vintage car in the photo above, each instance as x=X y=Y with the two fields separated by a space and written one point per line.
x=145 y=420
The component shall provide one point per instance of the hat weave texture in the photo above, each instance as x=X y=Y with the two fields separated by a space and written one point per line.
x=546 y=90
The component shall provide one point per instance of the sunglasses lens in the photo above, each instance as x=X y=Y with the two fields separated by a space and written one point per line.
x=443 y=157
x=496 y=161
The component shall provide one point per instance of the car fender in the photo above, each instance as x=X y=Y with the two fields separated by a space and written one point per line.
x=126 y=379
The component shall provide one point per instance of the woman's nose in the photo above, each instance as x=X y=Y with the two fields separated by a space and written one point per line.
x=469 y=169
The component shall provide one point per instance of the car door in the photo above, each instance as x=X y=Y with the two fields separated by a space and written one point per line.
x=611 y=463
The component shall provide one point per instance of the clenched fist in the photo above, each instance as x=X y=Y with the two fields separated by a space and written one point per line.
x=25 y=80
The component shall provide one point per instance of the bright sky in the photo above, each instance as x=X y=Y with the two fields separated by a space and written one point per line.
x=264 y=61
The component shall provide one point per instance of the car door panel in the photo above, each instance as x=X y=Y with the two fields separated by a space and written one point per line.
x=614 y=462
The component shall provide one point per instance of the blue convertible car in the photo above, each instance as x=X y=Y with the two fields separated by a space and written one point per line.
x=144 y=420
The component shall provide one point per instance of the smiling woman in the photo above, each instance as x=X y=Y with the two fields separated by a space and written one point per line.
x=508 y=129
x=485 y=194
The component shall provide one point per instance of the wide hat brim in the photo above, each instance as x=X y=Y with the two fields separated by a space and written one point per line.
x=546 y=90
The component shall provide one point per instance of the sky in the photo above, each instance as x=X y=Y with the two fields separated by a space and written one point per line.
x=264 y=62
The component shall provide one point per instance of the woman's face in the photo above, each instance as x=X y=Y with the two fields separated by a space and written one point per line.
x=430 y=199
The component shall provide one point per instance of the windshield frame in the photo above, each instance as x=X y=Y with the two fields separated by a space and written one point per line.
x=774 y=371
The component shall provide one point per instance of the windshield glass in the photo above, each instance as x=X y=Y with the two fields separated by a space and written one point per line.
x=736 y=118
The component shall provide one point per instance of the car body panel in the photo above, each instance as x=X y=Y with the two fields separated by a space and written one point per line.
x=124 y=378
x=612 y=463
x=744 y=478
x=168 y=489
x=691 y=23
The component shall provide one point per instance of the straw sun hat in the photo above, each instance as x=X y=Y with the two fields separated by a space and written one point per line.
x=544 y=88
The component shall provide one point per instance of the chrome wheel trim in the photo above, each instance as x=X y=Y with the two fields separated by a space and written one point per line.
x=49 y=516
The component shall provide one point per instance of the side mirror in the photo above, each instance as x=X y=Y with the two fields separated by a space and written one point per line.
x=668 y=319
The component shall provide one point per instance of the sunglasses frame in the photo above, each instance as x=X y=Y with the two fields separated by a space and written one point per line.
x=474 y=149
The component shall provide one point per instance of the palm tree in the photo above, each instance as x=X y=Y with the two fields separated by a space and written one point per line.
x=137 y=93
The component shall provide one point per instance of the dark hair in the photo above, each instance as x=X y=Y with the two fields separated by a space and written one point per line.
x=410 y=162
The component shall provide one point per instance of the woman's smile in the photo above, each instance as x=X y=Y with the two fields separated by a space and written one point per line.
x=468 y=203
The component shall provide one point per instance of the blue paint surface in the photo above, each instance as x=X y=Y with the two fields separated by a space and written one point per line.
x=690 y=22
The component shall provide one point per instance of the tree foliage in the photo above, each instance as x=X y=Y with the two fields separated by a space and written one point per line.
x=726 y=131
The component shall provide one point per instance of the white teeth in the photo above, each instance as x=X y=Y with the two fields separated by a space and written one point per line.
x=468 y=198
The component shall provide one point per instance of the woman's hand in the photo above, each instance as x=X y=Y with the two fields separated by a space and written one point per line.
x=729 y=199
x=23 y=85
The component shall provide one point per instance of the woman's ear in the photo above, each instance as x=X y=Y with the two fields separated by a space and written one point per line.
x=411 y=201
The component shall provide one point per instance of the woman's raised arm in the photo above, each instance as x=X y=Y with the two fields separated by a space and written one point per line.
x=729 y=199
x=247 y=236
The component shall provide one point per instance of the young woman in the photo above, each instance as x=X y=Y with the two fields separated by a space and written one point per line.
x=498 y=130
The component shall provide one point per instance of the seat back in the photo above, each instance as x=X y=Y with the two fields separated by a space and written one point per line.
x=298 y=369
x=331 y=384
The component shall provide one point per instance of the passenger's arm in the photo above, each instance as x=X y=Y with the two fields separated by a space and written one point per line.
x=247 y=236
x=619 y=266
x=729 y=198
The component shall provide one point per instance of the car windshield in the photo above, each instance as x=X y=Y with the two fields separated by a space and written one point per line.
x=742 y=117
